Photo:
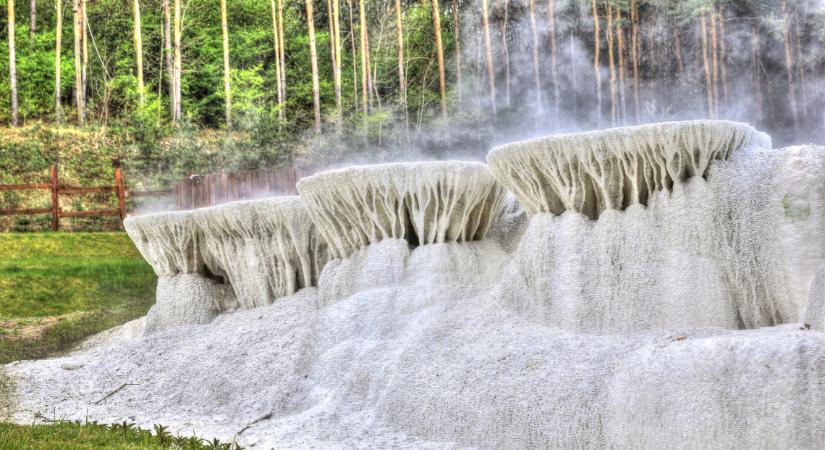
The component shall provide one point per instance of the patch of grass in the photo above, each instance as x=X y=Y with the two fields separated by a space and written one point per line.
x=77 y=435
x=59 y=288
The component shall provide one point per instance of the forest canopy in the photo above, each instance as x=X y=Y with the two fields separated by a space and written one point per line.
x=345 y=80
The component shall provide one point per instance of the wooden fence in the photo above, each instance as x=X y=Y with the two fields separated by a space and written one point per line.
x=119 y=188
x=198 y=191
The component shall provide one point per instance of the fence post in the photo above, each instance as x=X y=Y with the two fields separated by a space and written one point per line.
x=55 y=199
x=120 y=189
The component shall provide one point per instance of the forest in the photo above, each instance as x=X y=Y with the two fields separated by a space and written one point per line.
x=174 y=86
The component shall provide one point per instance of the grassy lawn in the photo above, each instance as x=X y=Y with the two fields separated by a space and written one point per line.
x=55 y=290
x=58 y=288
x=72 y=435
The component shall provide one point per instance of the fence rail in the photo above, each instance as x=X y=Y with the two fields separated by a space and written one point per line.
x=119 y=188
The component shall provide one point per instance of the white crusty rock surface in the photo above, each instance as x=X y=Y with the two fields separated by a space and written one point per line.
x=666 y=323
x=614 y=168
x=422 y=202
x=241 y=254
x=267 y=249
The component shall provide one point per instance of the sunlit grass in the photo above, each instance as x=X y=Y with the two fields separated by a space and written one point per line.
x=58 y=288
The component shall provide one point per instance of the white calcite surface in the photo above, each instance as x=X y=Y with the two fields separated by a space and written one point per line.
x=614 y=168
x=668 y=321
x=267 y=249
x=241 y=254
x=422 y=202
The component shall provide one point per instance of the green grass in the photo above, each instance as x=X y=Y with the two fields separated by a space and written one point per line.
x=58 y=288
x=75 y=435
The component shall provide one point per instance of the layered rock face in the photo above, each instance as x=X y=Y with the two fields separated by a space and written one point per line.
x=614 y=168
x=650 y=227
x=422 y=203
x=640 y=301
x=241 y=254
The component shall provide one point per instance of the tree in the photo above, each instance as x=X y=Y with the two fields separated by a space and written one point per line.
x=58 y=6
x=597 y=43
x=402 y=79
x=78 y=62
x=488 y=52
x=227 y=90
x=138 y=49
x=706 y=65
x=609 y=34
x=170 y=67
x=277 y=47
x=316 y=97
x=457 y=37
x=32 y=18
x=554 y=73
x=176 y=117
x=365 y=71
x=281 y=61
x=439 y=51
x=535 y=53
x=505 y=46
x=12 y=64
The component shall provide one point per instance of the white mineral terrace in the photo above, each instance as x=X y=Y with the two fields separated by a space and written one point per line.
x=614 y=168
x=265 y=249
x=422 y=202
x=667 y=291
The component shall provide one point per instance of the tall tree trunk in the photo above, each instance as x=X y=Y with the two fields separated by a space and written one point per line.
x=178 y=28
x=354 y=56
x=402 y=78
x=535 y=50
x=706 y=65
x=756 y=70
x=138 y=49
x=677 y=48
x=32 y=18
x=12 y=64
x=800 y=65
x=457 y=38
x=227 y=90
x=84 y=39
x=313 y=54
x=365 y=72
x=78 y=61
x=786 y=37
x=505 y=46
x=336 y=32
x=714 y=43
x=609 y=33
x=554 y=72
x=620 y=47
x=281 y=60
x=723 y=58
x=634 y=55
x=597 y=43
x=488 y=52
x=439 y=48
x=58 y=42
x=277 y=47
x=167 y=44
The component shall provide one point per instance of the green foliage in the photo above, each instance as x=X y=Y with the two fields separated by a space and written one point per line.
x=93 y=435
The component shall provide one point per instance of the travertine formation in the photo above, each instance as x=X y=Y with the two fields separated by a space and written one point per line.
x=167 y=241
x=647 y=303
x=423 y=202
x=614 y=168
x=261 y=250
x=266 y=248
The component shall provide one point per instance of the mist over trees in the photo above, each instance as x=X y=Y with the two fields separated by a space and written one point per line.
x=322 y=77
